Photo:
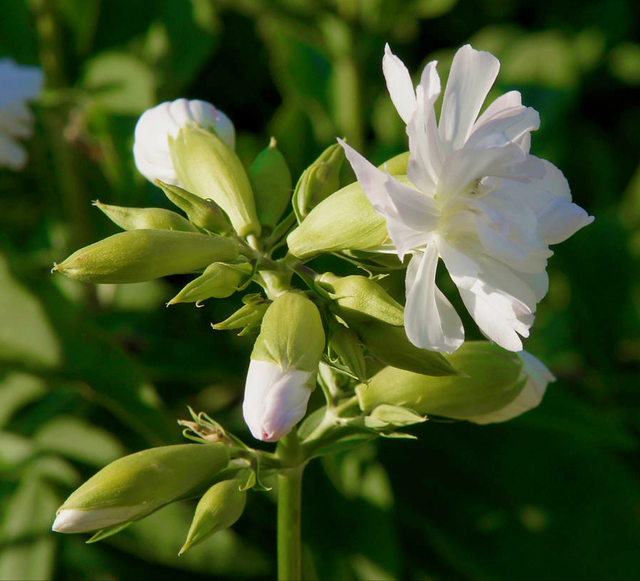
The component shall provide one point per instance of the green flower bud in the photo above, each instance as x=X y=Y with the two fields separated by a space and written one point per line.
x=135 y=486
x=218 y=281
x=391 y=346
x=346 y=220
x=145 y=218
x=362 y=299
x=208 y=167
x=219 y=508
x=396 y=166
x=247 y=316
x=319 y=180
x=140 y=255
x=271 y=182
x=495 y=385
x=204 y=213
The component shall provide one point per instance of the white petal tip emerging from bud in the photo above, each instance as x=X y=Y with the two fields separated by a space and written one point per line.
x=537 y=378
x=275 y=399
x=74 y=520
x=156 y=125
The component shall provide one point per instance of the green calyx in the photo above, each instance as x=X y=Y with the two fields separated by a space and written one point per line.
x=219 y=280
x=208 y=167
x=489 y=379
x=141 y=255
x=291 y=334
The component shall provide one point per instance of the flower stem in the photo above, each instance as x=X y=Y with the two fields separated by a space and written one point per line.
x=289 y=509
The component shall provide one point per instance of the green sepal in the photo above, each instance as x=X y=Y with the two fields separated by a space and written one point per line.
x=318 y=181
x=396 y=416
x=106 y=533
x=145 y=218
x=247 y=316
x=390 y=345
x=271 y=182
x=219 y=280
x=347 y=346
x=141 y=255
x=204 y=213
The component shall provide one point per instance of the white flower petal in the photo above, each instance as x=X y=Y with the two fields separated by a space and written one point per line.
x=499 y=107
x=560 y=220
x=399 y=84
x=74 y=520
x=275 y=399
x=472 y=75
x=431 y=322
x=504 y=128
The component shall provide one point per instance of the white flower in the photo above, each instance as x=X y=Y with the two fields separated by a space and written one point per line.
x=18 y=84
x=275 y=398
x=480 y=202
x=537 y=377
x=155 y=126
x=77 y=520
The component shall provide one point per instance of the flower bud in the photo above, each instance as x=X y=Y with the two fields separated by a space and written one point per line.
x=346 y=345
x=219 y=508
x=361 y=299
x=250 y=315
x=319 y=180
x=134 y=486
x=497 y=385
x=346 y=220
x=271 y=182
x=155 y=127
x=283 y=367
x=209 y=168
x=204 y=213
x=140 y=255
x=218 y=281
x=145 y=218
x=390 y=344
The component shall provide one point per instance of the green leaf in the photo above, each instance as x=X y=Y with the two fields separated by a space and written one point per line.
x=17 y=390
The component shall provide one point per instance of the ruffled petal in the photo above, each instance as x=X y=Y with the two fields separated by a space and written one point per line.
x=472 y=75
x=431 y=322
x=399 y=84
x=560 y=220
x=507 y=127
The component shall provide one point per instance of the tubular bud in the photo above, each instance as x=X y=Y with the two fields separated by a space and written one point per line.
x=204 y=213
x=361 y=299
x=219 y=508
x=346 y=220
x=219 y=280
x=145 y=218
x=135 y=486
x=496 y=385
x=271 y=182
x=319 y=180
x=140 y=255
x=209 y=168
x=283 y=367
x=390 y=345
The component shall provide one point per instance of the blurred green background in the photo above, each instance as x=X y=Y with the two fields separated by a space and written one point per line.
x=89 y=374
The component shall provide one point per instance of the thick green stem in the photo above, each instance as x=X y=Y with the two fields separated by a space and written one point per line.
x=289 y=509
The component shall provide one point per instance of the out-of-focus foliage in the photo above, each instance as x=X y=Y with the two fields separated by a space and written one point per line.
x=89 y=374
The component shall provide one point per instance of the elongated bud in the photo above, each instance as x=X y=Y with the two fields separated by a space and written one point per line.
x=283 y=367
x=362 y=299
x=247 y=316
x=134 y=486
x=164 y=121
x=496 y=386
x=204 y=213
x=145 y=218
x=209 y=168
x=319 y=180
x=271 y=182
x=140 y=255
x=219 y=280
x=346 y=220
x=347 y=346
x=390 y=345
x=219 y=508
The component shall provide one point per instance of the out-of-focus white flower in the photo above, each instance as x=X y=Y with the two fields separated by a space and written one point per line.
x=476 y=198
x=18 y=84
x=155 y=127
x=537 y=377
x=275 y=398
